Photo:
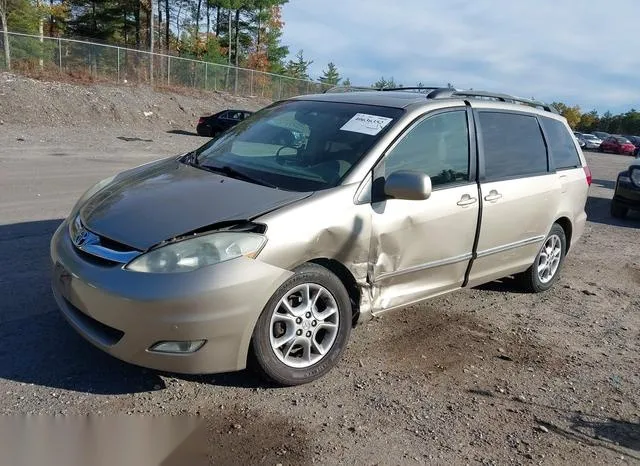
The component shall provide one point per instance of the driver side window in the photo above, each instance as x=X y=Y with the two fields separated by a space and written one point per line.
x=437 y=146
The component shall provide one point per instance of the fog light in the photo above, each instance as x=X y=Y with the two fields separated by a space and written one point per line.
x=177 y=346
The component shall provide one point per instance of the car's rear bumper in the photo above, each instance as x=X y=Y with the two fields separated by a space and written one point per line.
x=125 y=313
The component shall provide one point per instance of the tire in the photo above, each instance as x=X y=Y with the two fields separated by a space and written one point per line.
x=293 y=363
x=618 y=210
x=203 y=130
x=600 y=149
x=535 y=282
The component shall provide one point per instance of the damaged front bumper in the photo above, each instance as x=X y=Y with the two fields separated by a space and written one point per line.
x=126 y=313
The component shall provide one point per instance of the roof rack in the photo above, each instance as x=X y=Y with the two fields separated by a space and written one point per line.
x=435 y=92
x=449 y=93
x=340 y=89
x=426 y=89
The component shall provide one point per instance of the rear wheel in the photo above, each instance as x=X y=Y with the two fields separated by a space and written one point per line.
x=304 y=328
x=546 y=268
x=618 y=210
x=600 y=149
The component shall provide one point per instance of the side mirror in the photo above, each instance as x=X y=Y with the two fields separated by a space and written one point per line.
x=408 y=185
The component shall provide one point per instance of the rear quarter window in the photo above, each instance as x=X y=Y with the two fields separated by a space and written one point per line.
x=563 y=150
x=513 y=145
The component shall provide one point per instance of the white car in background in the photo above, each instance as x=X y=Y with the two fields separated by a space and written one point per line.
x=591 y=141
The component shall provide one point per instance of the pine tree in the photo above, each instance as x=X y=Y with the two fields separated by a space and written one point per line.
x=330 y=75
x=299 y=68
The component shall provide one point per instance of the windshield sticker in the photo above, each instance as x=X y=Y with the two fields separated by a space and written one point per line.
x=366 y=124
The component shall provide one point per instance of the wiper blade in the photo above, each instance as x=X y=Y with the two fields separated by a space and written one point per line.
x=233 y=173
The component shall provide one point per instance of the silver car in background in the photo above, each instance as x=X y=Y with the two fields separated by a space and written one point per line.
x=267 y=244
x=591 y=141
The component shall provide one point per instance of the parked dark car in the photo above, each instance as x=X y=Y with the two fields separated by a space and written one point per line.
x=627 y=194
x=635 y=140
x=618 y=145
x=219 y=122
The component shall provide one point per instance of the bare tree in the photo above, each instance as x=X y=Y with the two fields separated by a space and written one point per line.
x=5 y=32
x=151 y=39
x=40 y=32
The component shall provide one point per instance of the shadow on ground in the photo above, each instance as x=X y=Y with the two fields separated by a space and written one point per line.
x=504 y=285
x=607 y=184
x=133 y=139
x=598 y=211
x=36 y=343
x=597 y=431
x=183 y=132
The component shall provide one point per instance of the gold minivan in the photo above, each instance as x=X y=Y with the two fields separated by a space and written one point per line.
x=266 y=245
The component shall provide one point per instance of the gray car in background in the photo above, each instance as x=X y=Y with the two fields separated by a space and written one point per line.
x=591 y=141
x=262 y=250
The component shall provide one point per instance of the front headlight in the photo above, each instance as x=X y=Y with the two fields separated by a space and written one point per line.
x=201 y=251
x=635 y=176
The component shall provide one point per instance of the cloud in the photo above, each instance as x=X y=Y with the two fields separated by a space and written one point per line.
x=567 y=50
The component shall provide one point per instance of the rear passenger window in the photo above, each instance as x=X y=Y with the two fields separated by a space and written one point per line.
x=561 y=144
x=437 y=146
x=513 y=145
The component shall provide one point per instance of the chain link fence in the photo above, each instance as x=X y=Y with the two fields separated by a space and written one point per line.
x=108 y=63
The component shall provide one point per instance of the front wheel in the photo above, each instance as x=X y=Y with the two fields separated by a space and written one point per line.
x=304 y=328
x=546 y=268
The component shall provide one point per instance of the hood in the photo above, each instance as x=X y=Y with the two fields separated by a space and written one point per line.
x=155 y=202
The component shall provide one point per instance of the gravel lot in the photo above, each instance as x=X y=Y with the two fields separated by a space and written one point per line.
x=481 y=376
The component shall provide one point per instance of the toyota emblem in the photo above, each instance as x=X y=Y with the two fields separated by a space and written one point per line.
x=81 y=237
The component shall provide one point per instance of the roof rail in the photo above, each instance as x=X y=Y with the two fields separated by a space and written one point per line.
x=416 y=88
x=435 y=92
x=339 y=89
x=448 y=93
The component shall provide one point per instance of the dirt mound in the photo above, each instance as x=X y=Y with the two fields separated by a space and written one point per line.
x=30 y=102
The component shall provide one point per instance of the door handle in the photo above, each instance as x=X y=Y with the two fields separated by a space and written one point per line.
x=493 y=196
x=466 y=200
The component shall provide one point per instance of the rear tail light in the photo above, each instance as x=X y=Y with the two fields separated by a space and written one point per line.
x=587 y=172
x=201 y=120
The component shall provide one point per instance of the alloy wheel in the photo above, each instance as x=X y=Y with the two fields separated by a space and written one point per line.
x=549 y=259
x=304 y=325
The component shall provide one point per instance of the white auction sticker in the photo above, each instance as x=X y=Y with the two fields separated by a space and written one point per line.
x=366 y=124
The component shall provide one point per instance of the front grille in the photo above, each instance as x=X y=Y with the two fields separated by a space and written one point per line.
x=102 y=333
x=95 y=260
x=101 y=250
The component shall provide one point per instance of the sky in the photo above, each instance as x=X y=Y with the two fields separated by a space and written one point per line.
x=574 y=51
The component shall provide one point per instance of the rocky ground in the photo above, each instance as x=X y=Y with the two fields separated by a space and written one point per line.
x=480 y=376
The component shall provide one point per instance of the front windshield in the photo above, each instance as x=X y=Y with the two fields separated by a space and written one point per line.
x=299 y=145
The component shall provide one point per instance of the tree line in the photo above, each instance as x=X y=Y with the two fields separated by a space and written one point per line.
x=622 y=123
x=246 y=33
